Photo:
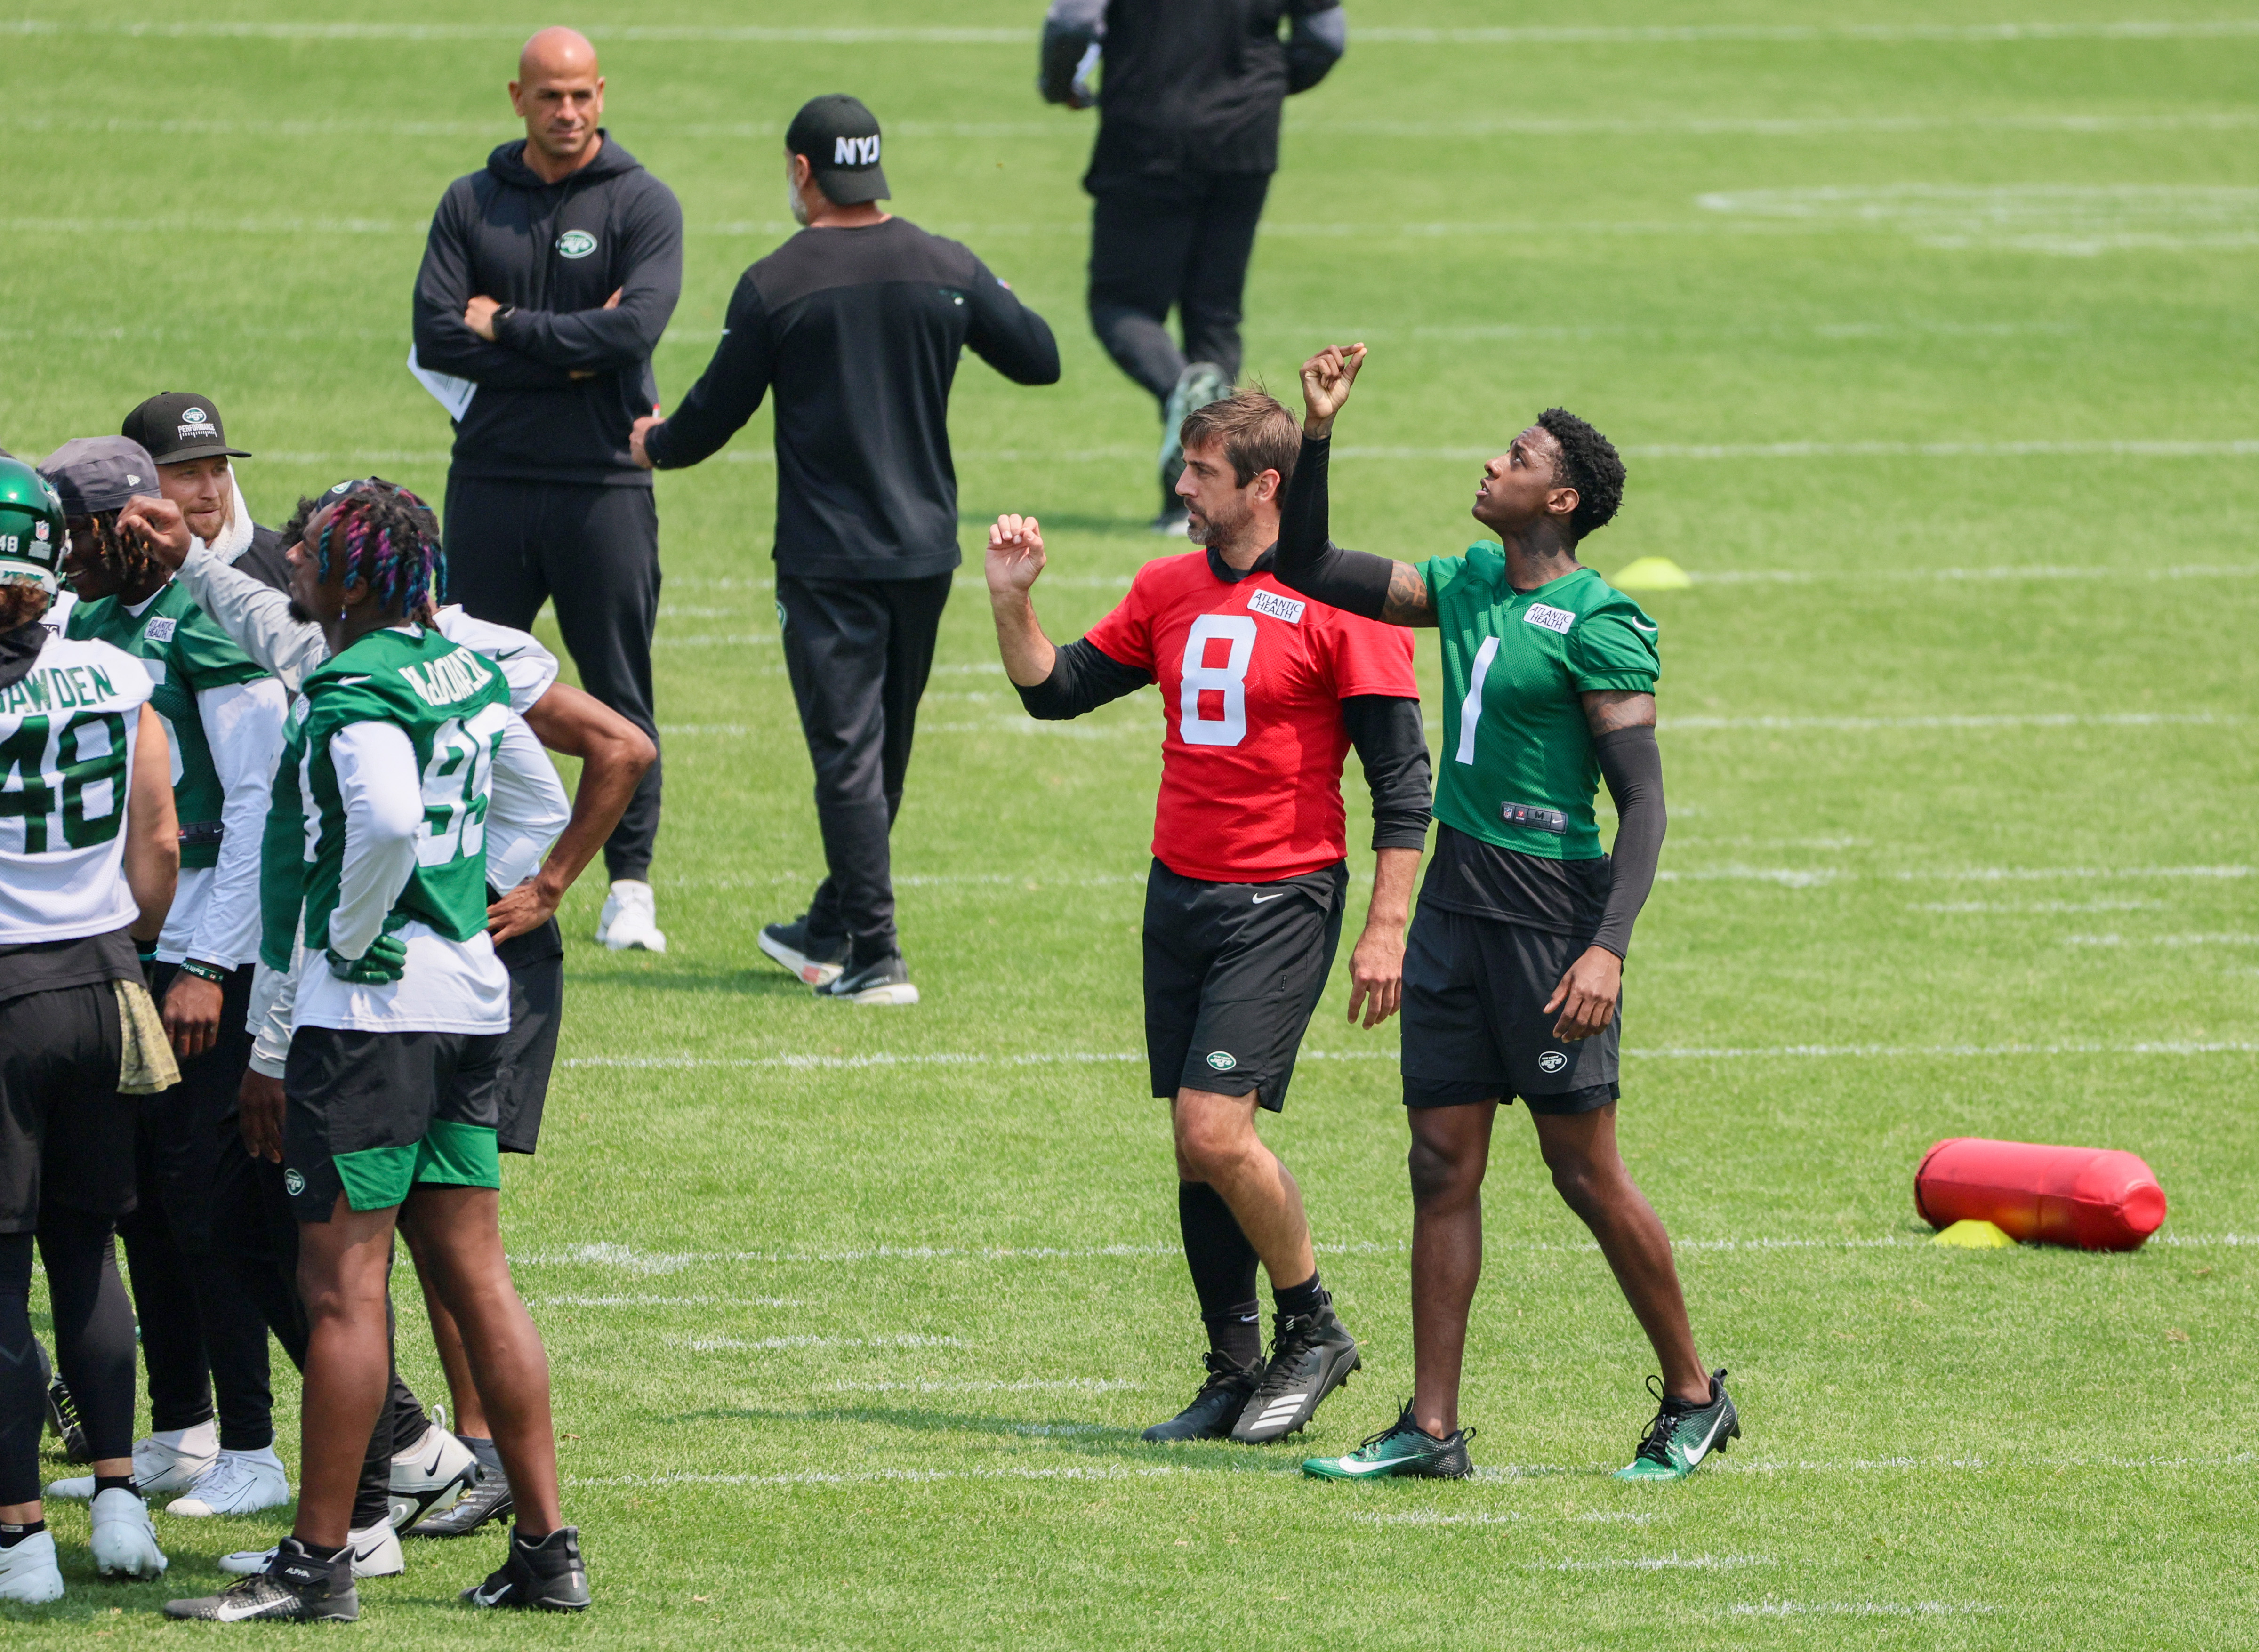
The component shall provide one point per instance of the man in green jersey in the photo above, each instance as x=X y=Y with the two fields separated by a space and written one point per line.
x=1513 y=971
x=396 y=1069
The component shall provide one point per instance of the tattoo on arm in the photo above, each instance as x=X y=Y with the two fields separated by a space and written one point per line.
x=1608 y=710
x=1407 y=602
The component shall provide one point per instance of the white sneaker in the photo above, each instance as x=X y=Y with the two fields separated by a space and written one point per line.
x=29 y=1576
x=237 y=1483
x=431 y=1477
x=125 y=1542
x=158 y=1468
x=375 y=1554
x=630 y=918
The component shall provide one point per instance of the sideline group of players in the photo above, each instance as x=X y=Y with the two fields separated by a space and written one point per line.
x=317 y=823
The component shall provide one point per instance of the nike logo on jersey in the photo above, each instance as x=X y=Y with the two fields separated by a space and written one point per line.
x=1281 y=895
x=1649 y=629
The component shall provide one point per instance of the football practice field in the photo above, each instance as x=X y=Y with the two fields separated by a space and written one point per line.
x=1929 y=346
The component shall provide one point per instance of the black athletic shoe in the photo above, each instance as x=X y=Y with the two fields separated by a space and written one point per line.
x=62 y=1414
x=817 y=959
x=1682 y=1436
x=1217 y=1406
x=886 y=981
x=296 y=1588
x=488 y=1499
x=1403 y=1449
x=543 y=1576
x=1311 y=1355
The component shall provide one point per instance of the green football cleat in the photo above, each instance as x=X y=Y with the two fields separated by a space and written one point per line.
x=1400 y=1450
x=1681 y=1436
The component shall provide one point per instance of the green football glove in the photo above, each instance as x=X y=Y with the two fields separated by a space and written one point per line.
x=385 y=961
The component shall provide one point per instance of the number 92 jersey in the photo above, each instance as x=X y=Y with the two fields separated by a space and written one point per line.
x=1252 y=679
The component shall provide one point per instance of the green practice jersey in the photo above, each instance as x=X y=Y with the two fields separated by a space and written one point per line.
x=453 y=706
x=282 y=849
x=185 y=653
x=1518 y=768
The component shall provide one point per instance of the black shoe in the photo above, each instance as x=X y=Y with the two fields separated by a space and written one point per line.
x=1402 y=1450
x=488 y=1499
x=1311 y=1355
x=817 y=959
x=1217 y=1406
x=543 y=1576
x=295 y=1587
x=886 y=981
x=62 y=1414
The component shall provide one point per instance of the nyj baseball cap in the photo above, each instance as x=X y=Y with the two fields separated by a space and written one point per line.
x=840 y=138
x=177 y=427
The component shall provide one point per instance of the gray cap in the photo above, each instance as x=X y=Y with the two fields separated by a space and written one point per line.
x=94 y=473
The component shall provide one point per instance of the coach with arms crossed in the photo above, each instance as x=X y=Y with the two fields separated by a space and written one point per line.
x=857 y=321
x=547 y=281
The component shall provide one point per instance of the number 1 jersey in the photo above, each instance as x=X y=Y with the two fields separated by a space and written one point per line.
x=1252 y=679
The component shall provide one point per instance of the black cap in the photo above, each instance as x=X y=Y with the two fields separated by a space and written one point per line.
x=840 y=138
x=177 y=427
x=94 y=473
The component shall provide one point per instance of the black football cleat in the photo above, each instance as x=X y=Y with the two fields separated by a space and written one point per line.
x=817 y=959
x=543 y=1576
x=1311 y=1355
x=488 y=1499
x=1217 y=1406
x=294 y=1588
x=886 y=981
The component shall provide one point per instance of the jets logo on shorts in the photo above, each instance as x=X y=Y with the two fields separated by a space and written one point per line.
x=1222 y=1060
x=1551 y=1061
x=293 y=1183
x=576 y=243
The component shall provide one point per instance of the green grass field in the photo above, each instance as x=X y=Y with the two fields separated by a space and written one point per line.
x=1929 y=347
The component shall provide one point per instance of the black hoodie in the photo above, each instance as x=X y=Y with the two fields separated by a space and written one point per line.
x=556 y=251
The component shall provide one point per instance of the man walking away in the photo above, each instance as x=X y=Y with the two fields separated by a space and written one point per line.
x=182 y=432
x=858 y=320
x=547 y=280
x=1187 y=139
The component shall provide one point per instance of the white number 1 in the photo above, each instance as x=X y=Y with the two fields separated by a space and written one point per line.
x=1471 y=708
x=1228 y=679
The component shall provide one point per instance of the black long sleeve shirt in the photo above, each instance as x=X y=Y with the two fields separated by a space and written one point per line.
x=858 y=331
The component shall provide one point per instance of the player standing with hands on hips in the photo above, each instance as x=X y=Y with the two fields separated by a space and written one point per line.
x=1515 y=973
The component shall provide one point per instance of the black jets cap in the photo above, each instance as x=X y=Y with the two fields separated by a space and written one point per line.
x=840 y=138
x=177 y=427
x=94 y=473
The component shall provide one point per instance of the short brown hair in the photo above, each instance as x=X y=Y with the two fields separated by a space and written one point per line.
x=1256 y=431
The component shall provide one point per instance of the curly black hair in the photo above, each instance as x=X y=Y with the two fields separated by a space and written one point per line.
x=390 y=536
x=122 y=556
x=1589 y=464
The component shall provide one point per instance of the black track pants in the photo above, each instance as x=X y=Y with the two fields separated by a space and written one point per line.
x=1181 y=243
x=94 y=1324
x=594 y=551
x=858 y=652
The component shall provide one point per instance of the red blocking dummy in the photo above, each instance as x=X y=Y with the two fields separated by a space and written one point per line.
x=2091 y=1197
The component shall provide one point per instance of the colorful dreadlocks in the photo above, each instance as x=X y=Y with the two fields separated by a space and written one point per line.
x=122 y=556
x=389 y=540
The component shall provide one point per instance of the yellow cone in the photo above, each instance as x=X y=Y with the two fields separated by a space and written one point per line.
x=1652 y=574
x=1973 y=1235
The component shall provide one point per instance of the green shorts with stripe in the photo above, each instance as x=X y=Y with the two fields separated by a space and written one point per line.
x=372 y=1114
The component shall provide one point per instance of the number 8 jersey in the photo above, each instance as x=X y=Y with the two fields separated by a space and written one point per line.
x=1252 y=679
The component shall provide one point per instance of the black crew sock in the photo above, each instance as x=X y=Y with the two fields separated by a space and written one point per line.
x=1299 y=1299
x=483 y=1450
x=323 y=1553
x=1222 y=1265
x=115 y=1482
x=12 y=1535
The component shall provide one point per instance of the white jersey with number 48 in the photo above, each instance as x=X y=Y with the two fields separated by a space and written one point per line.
x=67 y=727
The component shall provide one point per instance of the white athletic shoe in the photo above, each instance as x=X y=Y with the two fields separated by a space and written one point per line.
x=431 y=1477
x=237 y=1483
x=125 y=1542
x=158 y=1468
x=375 y=1554
x=29 y=1576
x=630 y=918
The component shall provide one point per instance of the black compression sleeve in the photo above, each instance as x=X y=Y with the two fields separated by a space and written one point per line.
x=1394 y=749
x=1308 y=561
x=1632 y=765
x=1084 y=677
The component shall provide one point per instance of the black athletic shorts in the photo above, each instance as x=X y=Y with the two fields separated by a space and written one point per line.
x=536 y=963
x=66 y=1135
x=373 y=1113
x=1233 y=971
x=1475 y=1025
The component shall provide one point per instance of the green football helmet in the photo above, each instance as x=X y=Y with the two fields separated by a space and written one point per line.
x=31 y=527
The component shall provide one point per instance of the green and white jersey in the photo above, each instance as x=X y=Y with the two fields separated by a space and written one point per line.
x=68 y=728
x=1517 y=767
x=394 y=778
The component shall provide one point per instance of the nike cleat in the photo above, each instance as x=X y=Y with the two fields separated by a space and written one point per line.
x=488 y=1499
x=431 y=1477
x=158 y=1468
x=1311 y=1355
x=374 y=1552
x=886 y=981
x=543 y=1576
x=629 y=919
x=1402 y=1450
x=817 y=959
x=62 y=1414
x=237 y=1483
x=1217 y=1406
x=1682 y=1435
x=125 y=1542
x=296 y=1588
x=29 y=1576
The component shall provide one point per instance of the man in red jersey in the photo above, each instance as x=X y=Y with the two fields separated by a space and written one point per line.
x=1262 y=695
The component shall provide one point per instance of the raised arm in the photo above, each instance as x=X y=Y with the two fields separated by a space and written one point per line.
x=1308 y=561
x=1055 y=684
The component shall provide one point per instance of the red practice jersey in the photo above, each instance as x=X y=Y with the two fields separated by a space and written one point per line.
x=1252 y=679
